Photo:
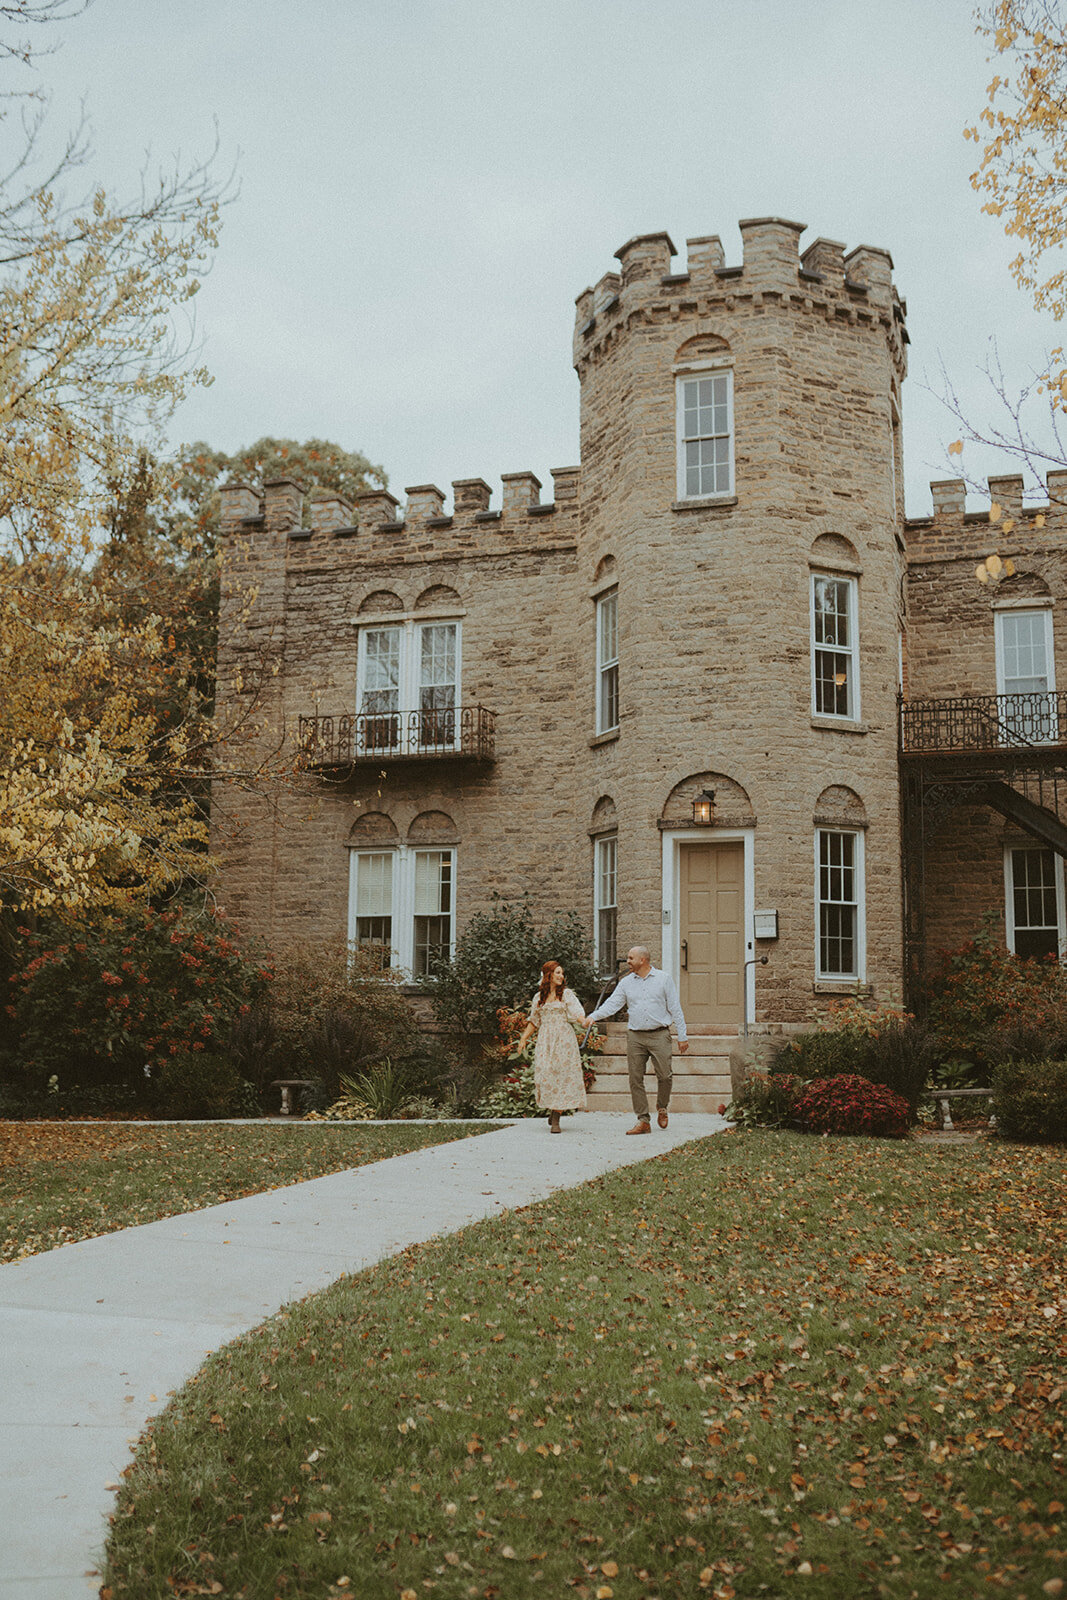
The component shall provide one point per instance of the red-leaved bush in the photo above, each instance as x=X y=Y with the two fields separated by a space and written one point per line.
x=850 y=1104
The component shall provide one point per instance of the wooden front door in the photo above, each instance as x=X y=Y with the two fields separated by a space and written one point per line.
x=712 y=933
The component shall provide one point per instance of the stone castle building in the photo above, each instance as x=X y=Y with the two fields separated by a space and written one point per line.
x=717 y=693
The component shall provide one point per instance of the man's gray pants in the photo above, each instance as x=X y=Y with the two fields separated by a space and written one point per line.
x=644 y=1045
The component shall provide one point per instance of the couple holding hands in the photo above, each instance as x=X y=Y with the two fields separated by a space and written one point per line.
x=651 y=1000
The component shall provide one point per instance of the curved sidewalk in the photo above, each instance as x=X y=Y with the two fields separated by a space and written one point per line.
x=94 y=1336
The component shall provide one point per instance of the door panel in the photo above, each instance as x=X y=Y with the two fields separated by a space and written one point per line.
x=712 y=932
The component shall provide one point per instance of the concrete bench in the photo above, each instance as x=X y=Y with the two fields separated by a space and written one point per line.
x=943 y=1096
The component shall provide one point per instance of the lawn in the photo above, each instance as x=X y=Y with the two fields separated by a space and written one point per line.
x=761 y=1365
x=62 y=1181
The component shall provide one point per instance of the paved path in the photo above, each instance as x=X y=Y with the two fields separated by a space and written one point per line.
x=93 y=1336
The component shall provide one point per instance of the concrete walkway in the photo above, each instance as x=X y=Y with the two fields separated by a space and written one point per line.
x=95 y=1335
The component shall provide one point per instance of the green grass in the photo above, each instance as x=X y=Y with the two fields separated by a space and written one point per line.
x=760 y=1362
x=64 y=1181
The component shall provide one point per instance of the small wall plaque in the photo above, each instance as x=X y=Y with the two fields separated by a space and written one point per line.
x=765 y=924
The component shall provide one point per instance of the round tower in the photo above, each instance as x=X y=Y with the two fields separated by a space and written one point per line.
x=741 y=551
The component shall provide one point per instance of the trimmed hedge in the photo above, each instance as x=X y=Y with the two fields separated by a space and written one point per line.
x=850 y=1104
x=1030 y=1101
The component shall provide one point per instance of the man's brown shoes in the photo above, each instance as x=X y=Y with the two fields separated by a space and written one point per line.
x=661 y=1118
x=640 y=1127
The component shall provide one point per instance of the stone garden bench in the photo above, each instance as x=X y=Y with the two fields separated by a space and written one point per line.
x=290 y=1087
x=943 y=1096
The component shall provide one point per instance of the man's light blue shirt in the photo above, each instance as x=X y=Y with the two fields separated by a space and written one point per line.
x=652 y=1002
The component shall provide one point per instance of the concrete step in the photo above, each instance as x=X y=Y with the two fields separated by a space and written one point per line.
x=717 y=1046
x=706 y=1103
x=709 y=1083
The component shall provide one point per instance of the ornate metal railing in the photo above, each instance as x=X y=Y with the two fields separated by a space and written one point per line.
x=983 y=722
x=353 y=738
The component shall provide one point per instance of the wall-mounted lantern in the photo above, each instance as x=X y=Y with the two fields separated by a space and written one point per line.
x=704 y=808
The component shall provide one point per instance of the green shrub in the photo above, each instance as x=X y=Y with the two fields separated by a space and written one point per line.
x=332 y=1010
x=765 y=1101
x=110 y=1000
x=199 y=1085
x=1030 y=1101
x=497 y=965
x=851 y=1104
x=884 y=1046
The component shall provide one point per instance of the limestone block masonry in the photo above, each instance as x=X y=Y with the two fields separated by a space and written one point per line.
x=335 y=612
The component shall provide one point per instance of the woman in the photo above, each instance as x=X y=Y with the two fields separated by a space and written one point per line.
x=558 y=1079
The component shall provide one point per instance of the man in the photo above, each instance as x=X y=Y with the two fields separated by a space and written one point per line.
x=652 y=1002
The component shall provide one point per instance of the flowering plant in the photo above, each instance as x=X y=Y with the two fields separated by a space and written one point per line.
x=851 y=1104
x=111 y=1002
x=512 y=1093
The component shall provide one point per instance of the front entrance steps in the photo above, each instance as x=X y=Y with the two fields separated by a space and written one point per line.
x=701 y=1076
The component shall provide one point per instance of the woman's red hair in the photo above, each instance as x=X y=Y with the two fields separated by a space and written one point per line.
x=546 y=981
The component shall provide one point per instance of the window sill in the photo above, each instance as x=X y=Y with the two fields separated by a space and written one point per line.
x=854 y=986
x=711 y=502
x=840 y=725
x=604 y=738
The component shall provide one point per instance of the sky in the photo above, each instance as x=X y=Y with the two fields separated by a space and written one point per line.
x=426 y=185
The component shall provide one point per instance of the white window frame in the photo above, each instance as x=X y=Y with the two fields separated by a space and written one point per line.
x=411 y=630
x=860 y=903
x=690 y=374
x=1032 y=723
x=852 y=714
x=607 y=666
x=605 y=878
x=1000 y=615
x=1009 y=896
x=402 y=912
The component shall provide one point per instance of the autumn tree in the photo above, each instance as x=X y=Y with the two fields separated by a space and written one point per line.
x=94 y=355
x=1022 y=177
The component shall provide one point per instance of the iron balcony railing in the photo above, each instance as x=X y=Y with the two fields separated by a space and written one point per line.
x=983 y=722
x=352 y=738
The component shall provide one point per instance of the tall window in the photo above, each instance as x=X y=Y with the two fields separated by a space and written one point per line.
x=403 y=899
x=834 y=667
x=705 y=435
x=408 y=683
x=372 y=893
x=606 y=896
x=433 y=909
x=1026 y=668
x=839 y=892
x=1035 y=902
x=607 y=662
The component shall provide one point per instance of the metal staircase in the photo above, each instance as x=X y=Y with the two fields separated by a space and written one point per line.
x=1008 y=752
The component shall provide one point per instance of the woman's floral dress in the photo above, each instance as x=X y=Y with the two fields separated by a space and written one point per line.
x=558 y=1078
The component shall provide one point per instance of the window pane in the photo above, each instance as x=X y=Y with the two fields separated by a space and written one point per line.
x=432 y=942
x=838 y=904
x=606 y=915
x=433 y=882
x=374 y=885
x=1036 y=916
x=381 y=670
x=1025 y=666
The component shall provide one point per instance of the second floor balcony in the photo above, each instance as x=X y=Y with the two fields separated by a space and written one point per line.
x=1004 y=726
x=353 y=739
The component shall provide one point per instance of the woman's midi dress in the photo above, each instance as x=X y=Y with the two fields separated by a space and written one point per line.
x=558 y=1079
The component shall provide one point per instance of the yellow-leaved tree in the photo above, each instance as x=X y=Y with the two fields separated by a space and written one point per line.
x=1022 y=177
x=1023 y=134
x=100 y=771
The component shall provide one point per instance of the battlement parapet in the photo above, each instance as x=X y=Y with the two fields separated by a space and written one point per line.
x=953 y=533
x=857 y=286
x=422 y=530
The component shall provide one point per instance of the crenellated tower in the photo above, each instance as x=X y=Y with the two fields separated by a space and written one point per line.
x=740 y=441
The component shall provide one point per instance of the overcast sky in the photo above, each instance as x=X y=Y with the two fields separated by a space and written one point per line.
x=426 y=185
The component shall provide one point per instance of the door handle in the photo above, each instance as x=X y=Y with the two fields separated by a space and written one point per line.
x=685 y=955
